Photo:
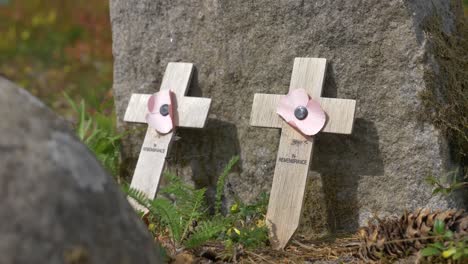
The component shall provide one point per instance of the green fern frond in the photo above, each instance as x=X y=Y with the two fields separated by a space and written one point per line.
x=169 y=216
x=221 y=182
x=206 y=231
x=161 y=208
x=185 y=206
x=195 y=213
x=138 y=196
x=188 y=203
x=179 y=214
x=254 y=237
x=188 y=200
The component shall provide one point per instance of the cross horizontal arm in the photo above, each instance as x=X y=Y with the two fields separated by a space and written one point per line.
x=264 y=111
x=340 y=113
x=192 y=111
x=137 y=108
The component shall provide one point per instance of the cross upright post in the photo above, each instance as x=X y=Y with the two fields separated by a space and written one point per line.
x=188 y=112
x=295 y=149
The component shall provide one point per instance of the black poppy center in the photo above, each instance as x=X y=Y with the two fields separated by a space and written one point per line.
x=301 y=112
x=164 y=110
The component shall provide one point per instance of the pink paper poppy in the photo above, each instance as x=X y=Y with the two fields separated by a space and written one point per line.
x=160 y=114
x=301 y=112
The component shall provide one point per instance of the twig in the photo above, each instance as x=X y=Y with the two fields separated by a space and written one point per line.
x=302 y=245
x=251 y=260
x=259 y=256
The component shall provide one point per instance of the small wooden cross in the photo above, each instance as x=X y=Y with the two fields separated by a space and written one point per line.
x=188 y=112
x=295 y=149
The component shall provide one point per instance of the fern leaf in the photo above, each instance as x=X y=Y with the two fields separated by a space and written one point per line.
x=138 y=196
x=205 y=231
x=161 y=208
x=195 y=213
x=188 y=202
x=169 y=216
x=221 y=182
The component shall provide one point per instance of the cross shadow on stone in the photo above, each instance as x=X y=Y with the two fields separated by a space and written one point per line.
x=205 y=152
x=339 y=161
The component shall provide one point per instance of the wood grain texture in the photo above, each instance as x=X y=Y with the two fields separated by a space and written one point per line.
x=340 y=113
x=177 y=78
x=309 y=74
x=289 y=182
x=137 y=108
x=191 y=112
x=292 y=163
x=295 y=149
x=150 y=164
x=264 y=111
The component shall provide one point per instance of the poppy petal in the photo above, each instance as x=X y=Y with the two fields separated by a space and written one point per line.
x=314 y=121
x=162 y=124
x=289 y=102
x=159 y=99
x=285 y=110
x=163 y=97
x=298 y=97
x=152 y=103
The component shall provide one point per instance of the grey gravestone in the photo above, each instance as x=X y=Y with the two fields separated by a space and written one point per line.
x=57 y=204
x=377 y=53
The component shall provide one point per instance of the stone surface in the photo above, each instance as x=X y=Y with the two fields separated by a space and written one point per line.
x=57 y=204
x=377 y=53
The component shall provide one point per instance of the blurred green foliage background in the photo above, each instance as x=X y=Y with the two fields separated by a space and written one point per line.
x=56 y=46
x=465 y=6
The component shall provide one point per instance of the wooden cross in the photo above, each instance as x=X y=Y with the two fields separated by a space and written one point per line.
x=295 y=149
x=188 y=112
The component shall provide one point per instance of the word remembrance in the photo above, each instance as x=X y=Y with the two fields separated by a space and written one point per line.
x=300 y=114
x=163 y=111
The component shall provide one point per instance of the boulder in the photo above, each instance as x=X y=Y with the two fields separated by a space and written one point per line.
x=378 y=53
x=57 y=204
